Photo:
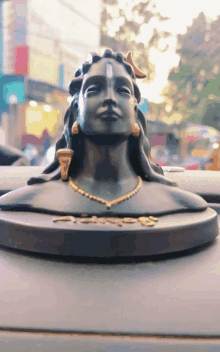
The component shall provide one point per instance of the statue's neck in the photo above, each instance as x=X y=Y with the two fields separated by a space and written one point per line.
x=109 y=162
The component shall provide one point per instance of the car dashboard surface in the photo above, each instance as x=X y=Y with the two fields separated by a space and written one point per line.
x=159 y=303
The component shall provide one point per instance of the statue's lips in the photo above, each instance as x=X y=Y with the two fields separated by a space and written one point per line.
x=109 y=115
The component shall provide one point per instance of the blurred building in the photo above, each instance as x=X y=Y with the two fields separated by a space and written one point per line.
x=41 y=45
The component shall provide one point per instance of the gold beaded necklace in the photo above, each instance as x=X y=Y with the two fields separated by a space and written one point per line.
x=103 y=201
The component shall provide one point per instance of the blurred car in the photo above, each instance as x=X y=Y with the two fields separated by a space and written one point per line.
x=31 y=152
x=197 y=163
x=160 y=155
x=12 y=156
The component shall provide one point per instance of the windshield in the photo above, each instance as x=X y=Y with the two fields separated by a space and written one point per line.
x=175 y=43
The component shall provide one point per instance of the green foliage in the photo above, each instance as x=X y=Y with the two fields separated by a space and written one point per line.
x=125 y=36
x=197 y=79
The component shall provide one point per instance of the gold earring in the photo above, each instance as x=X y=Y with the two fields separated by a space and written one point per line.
x=75 y=128
x=135 y=130
x=64 y=157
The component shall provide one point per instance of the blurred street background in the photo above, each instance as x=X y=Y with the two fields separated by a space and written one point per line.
x=176 y=43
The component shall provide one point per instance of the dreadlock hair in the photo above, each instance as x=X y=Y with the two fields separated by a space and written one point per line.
x=139 y=148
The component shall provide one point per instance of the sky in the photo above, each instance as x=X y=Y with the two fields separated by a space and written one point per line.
x=181 y=14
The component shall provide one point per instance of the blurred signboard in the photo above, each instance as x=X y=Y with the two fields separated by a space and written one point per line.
x=8 y=15
x=21 y=60
x=43 y=67
x=1 y=40
x=20 y=6
x=11 y=86
x=37 y=120
x=14 y=92
x=15 y=37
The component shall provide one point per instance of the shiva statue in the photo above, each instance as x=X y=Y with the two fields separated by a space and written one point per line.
x=102 y=165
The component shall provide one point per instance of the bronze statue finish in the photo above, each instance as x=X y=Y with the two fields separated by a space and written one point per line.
x=102 y=152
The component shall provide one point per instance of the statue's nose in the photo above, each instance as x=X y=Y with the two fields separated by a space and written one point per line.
x=110 y=98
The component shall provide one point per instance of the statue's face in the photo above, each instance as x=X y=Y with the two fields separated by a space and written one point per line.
x=106 y=101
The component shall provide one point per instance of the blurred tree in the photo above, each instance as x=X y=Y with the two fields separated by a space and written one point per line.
x=197 y=78
x=121 y=28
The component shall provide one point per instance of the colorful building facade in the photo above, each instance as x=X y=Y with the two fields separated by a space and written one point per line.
x=40 y=50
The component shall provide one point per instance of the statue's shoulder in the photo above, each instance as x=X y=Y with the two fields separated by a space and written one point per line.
x=36 y=195
x=173 y=198
x=57 y=196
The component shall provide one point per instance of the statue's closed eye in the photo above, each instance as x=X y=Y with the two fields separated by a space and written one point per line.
x=123 y=90
x=93 y=88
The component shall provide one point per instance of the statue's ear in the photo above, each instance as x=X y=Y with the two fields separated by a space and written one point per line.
x=75 y=85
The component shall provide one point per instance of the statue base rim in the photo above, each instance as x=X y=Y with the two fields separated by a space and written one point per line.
x=35 y=232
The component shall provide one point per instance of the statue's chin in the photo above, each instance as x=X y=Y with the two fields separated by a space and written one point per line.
x=106 y=139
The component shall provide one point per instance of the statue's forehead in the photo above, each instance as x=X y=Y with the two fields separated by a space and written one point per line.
x=109 y=68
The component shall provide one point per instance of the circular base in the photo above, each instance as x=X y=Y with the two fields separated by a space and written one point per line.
x=39 y=233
